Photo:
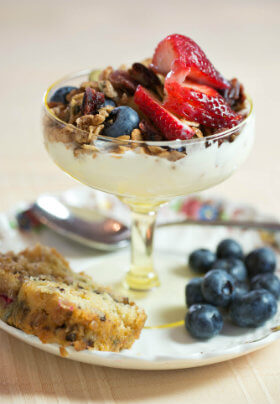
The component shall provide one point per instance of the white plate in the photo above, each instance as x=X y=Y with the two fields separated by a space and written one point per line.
x=158 y=348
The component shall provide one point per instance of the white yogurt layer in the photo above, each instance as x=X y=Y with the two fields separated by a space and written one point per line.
x=145 y=177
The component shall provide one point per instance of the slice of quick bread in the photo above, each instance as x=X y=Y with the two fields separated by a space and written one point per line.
x=40 y=295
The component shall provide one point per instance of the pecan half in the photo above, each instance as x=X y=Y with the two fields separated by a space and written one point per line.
x=234 y=95
x=149 y=132
x=92 y=101
x=146 y=77
x=122 y=81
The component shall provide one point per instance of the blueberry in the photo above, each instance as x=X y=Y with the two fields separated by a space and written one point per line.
x=229 y=248
x=260 y=261
x=121 y=121
x=233 y=266
x=218 y=287
x=110 y=102
x=267 y=281
x=241 y=288
x=193 y=292
x=60 y=94
x=253 y=309
x=181 y=149
x=201 y=260
x=203 y=321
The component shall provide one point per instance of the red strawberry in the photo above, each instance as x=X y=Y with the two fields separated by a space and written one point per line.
x=170 y=126
x=182 y=57
x=199 y=103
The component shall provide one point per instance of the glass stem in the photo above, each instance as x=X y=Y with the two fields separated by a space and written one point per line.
x=142 y=275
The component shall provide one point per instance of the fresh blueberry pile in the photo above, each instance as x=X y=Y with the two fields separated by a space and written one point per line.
x=241 y=288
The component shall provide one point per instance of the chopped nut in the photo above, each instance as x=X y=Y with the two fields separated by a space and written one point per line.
x=89 y=147
x=175 y=155
x=124 y=99
x=119 y=150
x=75 y=107
x=61 y=111
x=123 y=67
x=108 y=108
x=106 y=87
x=72 y=93
x=81 y=137
x=86 y=121
x=99 y=119
x=206 y=130
x=234 y=95
x=143 y=75
x=91 y=84
x=78 y=151
x=94 y=131
x=143 y=150
x=164 y=154
x=122 y=81
x=136 y=135
x=190 y=123
x=155 y=150
x=161 y=78
x=59 y=135
x=197 y=132
x=105 y=111
x=149 y=132
x=104 y=74
x=147 y=62
x=117 y=156
x=53 y=104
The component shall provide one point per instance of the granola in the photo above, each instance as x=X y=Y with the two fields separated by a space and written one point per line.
x=85 y=114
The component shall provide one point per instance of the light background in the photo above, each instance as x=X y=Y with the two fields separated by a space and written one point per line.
x=40 y=41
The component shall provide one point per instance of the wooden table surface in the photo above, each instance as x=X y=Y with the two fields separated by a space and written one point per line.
x=41 y=41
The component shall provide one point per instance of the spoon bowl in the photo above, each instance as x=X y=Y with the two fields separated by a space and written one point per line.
x=103 y=233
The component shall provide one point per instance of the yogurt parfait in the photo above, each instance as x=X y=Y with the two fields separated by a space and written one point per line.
x=161 y=128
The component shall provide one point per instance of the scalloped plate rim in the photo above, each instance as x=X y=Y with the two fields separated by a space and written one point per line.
x=153 y=363
x=128 y=360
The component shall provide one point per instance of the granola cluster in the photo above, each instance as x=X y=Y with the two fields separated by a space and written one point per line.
x=85 y=108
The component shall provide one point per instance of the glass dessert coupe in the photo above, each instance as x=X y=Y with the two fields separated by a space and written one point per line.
x=145 y=174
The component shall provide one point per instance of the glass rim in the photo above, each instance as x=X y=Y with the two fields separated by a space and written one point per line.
x=171 y=143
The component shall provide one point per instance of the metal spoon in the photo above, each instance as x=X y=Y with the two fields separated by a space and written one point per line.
x=108 y=234
x=103 y=233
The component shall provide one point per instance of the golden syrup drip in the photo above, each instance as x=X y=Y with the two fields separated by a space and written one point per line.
x=169 y=325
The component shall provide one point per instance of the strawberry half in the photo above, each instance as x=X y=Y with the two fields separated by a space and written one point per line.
x=170 y=126
x=182 y=57
x=199 y=103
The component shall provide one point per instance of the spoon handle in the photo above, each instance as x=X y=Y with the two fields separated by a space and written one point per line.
x=247 y=224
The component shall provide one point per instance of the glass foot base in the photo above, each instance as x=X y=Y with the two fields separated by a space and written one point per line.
x=133 y=282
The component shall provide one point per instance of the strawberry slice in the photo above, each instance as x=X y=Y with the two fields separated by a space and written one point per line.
x=170 y=126
x=199 y=103
x=182 y=57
